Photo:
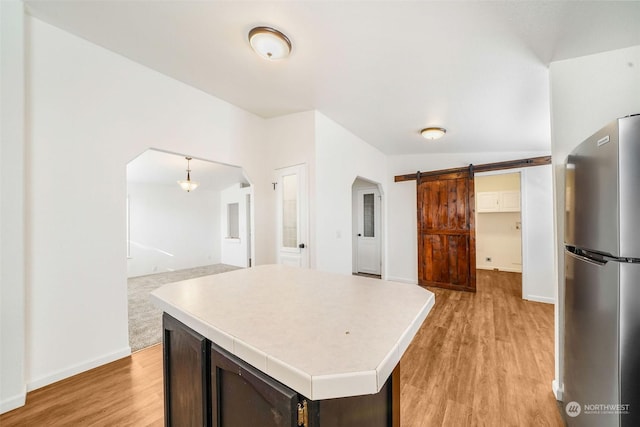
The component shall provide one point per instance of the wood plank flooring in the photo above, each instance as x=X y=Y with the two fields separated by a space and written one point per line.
x=127 y=392
x=479 y=359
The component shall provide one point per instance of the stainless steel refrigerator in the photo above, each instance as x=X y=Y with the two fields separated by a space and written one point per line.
x=602 y=278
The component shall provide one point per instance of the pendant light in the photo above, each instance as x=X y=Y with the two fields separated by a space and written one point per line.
x=186 y=184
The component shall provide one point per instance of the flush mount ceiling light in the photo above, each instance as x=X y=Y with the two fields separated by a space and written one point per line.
x=269 y=43
x=186 y=184
x=433 y=133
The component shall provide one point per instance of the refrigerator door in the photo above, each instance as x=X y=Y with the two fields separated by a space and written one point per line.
x=629 y=186
x=591 y=193
x=591 y=354
x=630 y=342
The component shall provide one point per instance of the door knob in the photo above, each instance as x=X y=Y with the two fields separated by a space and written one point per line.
x=301 y=245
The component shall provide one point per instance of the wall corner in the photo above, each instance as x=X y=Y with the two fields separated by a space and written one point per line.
x=12 y=211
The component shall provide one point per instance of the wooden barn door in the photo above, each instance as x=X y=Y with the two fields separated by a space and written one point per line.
x=446 y=231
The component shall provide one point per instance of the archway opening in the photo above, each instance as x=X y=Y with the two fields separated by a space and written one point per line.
x=177 y=232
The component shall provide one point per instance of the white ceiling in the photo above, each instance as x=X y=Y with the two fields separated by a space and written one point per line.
x=382 y=69
x=159 y=167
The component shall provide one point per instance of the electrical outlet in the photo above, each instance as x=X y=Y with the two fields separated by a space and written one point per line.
x=488 y=259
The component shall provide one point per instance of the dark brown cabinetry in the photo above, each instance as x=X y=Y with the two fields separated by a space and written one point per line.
x=218 y=389
x=242 y=395
x=186 y=375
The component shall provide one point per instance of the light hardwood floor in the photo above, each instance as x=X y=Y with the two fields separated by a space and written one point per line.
x=479 y=359
x=127 y=392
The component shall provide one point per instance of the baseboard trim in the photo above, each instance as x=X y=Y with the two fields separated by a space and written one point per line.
x=537 y=298
x=401 y=280
x=557 y=389
x=505 y=269
x=13 y=402
x=81 y=367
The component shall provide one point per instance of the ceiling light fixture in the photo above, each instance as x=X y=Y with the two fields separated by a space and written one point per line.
x=186 y=184
x=433 y=133
x=269 y=43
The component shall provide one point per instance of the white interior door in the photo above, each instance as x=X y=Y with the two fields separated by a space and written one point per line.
x=369 y=241
x=292 y=202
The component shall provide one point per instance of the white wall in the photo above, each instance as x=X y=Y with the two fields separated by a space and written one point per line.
x=586 y=94
x=506 y=180
x=497 y=234
x=539 y=279
x=402 y=246
x=341 y=157
x=90 y=112
x=12 y=207
x=498 y=238
x=234 y=250
x=171 y=229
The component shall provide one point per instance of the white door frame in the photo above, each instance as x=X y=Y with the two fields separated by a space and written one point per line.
x=298 y=255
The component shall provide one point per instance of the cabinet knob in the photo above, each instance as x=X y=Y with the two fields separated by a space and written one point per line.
x=301 y=246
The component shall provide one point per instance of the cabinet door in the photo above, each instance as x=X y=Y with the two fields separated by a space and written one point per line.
x=488 y=201
x=186 y=375
x=510 y=201
x=243 y=396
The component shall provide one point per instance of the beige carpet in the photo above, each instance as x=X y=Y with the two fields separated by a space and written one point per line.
x=145 y=320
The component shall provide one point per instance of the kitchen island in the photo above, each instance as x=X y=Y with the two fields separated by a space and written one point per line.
x=282 y=346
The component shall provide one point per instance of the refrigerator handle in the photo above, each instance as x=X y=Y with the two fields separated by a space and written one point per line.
x=571 y=250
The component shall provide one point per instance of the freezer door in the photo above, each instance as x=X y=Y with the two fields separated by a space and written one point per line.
x=591 y=193
x=630 y=342
x=629 y=186
x=591 y=339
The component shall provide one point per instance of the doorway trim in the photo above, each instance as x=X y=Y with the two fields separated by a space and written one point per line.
x=528 y=200
x=523 y=217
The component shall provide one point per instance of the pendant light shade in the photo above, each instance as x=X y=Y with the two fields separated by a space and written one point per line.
x=269 y=43
x=187 y=184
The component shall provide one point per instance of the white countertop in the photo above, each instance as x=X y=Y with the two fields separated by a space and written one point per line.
x=324 y=335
